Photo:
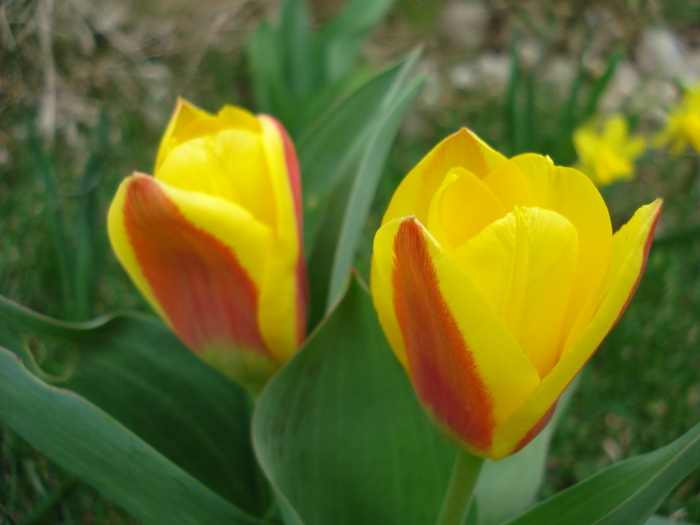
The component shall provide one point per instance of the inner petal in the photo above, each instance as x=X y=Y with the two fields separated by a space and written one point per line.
x=461 y=208
x=524 y=265
x=230 y=164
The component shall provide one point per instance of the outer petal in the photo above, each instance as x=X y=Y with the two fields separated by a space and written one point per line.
x=631 y=247
x=466 y=367
x=284 y=292
x=196 y=259
x=463 y=149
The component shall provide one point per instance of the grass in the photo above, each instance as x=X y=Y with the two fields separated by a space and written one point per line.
x=639 y=392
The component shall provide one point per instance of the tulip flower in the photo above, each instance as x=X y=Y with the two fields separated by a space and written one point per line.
x=683 y=124
x=607 y=153
x=495 y=280
x=214 y=239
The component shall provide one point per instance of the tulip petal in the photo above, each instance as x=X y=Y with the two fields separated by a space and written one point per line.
x=461 y=208
x=184 y=114
x=524 y=264
x=214 y=164
x=197 y=259
x=510 y=186
x=463 y=149
x=631 y=247
x=284 y=294
x=455 y=348
x=571 y=194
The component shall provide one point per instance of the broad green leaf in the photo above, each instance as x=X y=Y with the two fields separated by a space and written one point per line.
x=662 y=520
x=365 y=186
x=340 y=434
x=99 y=450
x=136 y=370
x=627 y=493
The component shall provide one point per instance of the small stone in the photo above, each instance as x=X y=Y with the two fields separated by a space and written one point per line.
x=659 y=52
x=463 y=24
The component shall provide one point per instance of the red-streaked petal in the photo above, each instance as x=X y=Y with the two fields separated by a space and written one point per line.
x=200 y=285
x=292 y=162
x=442 y=368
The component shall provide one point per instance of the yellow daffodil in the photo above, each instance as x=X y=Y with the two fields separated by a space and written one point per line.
x=683 y=124
x=495 y=280
x=607 y=153
x=214 y=239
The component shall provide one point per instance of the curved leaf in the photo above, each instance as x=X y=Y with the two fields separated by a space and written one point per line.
x=99 y=450
x=340 y=433
x=135 y=369
x=627 y=493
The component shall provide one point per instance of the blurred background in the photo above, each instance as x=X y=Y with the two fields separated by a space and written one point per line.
x=86 y=89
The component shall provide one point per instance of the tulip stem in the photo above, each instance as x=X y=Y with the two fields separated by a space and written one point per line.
x=458 y=499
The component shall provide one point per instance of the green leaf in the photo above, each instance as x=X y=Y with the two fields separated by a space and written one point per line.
x=509 y=486
x=336 y=144
x=365 y=186
x=99 y=450
x=266 y=68
x=627 y=493
x=296 y=46
x=340 y=433
x=341 y=161
x=137 y=371
x=343 y=37
x=599 y=86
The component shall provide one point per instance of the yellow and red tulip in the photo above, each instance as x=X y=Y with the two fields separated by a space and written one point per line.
x=214 y=239
x=495 y=280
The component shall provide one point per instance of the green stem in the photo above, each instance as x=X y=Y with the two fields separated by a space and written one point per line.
x=458 y=498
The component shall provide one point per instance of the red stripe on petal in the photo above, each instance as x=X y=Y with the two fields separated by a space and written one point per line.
x=647 y=247
x=199 y=283
x=293 y=171
x=442 y=367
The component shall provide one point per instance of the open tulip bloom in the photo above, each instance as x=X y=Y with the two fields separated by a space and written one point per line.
x=495 y=280
x=213 y=239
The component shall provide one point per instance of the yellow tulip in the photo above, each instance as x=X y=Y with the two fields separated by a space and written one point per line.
x=495 y=280
x=214 y=239
x=607 y=153
x=683 y=124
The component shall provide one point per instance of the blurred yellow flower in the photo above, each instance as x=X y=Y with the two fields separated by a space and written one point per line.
x=606 y=152
x=683 y=124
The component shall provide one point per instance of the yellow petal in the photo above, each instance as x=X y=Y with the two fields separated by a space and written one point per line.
x=280 y=317
x=184 y=114
x=571 y=194
x=631 y=247
x=461 y=208
x=462 y=149
x=510 y=186
x=507 y=374
x=524 y=264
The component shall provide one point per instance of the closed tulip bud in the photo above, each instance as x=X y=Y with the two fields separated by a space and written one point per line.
x=495 y=280
x=214 y=239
